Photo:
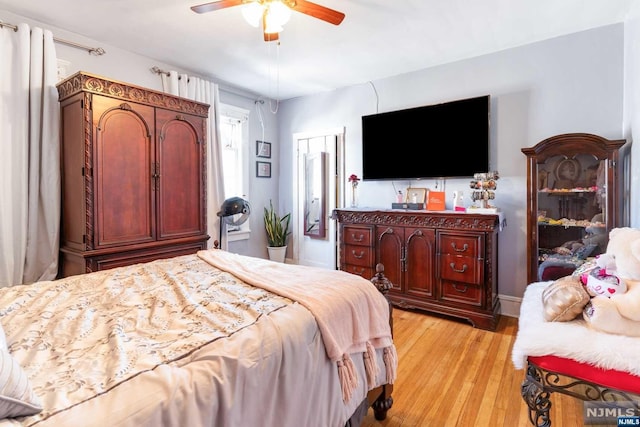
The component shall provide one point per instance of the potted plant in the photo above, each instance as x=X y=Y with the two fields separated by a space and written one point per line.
x=277 y=229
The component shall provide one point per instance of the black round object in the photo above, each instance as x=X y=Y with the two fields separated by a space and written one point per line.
x=234 y=206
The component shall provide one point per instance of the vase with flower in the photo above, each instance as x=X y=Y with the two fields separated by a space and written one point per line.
x=354 y=180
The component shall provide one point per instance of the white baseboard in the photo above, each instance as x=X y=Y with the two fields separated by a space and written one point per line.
x=509 y=306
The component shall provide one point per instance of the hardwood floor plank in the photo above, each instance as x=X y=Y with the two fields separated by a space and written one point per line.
x=452 y=374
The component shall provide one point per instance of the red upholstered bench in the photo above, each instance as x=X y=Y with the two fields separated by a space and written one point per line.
x=547 y=374
x=572 y=359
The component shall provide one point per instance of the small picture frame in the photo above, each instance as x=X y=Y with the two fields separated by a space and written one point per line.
x=263 y=169
x=416 y=195
x=263 y=149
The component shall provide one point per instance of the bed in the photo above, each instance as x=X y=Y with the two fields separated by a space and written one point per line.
x=573 y=359
x=212 y=338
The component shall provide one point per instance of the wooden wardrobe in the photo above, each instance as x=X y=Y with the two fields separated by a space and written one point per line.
x=133 y=174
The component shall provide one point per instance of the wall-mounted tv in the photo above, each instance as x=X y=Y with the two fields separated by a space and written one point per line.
x=448 y=140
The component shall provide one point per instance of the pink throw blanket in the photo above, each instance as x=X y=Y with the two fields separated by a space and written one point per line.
x=359 y=326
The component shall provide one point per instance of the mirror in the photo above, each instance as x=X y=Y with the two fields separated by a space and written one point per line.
x=315 y=195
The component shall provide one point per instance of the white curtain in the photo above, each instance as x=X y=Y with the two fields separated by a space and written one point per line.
x=204 y=91
x=29 y=156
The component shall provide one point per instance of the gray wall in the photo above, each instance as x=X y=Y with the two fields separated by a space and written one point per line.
x=567 y=84
x=576 y=83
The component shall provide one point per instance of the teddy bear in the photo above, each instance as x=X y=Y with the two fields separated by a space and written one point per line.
x=619 y=313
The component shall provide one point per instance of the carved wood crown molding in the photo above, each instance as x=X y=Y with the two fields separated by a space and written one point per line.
x=83 y=82
x=482 y=222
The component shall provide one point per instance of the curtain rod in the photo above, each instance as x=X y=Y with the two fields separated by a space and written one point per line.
x=157 y=70
x=223 y=86
x=92 y=50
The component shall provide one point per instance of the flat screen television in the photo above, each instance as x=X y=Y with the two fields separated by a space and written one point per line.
x=448 y=140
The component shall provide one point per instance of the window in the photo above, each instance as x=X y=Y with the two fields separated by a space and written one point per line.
x=234 y=138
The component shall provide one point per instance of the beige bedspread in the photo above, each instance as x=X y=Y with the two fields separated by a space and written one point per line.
x=171 y=343
x=351 y=314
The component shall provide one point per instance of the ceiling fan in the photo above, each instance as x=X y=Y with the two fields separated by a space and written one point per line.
x=273 y=13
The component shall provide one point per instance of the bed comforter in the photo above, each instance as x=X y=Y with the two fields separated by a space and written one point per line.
x=174 y=342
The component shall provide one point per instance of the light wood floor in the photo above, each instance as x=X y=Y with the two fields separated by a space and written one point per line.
x=452 y=374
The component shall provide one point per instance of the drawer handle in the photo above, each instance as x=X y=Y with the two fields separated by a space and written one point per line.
x=359 y=273
x=360 y=238
x=462 y=270
x=356 y=255
x=464 y=289
x=464 y=247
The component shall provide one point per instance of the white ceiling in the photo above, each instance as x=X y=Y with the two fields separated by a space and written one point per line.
x=377 y=39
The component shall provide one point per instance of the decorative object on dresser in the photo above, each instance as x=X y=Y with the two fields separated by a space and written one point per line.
x=442 y=262
x=354 y=180
x=133 y=174
x=484 y=186
x=575 y=183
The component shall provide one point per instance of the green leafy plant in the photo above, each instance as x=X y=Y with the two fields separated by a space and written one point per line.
x=277 y=227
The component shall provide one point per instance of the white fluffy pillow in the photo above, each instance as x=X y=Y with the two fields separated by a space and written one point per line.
x=16 y=396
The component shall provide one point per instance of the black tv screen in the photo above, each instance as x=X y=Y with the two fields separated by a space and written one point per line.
x=448 y=140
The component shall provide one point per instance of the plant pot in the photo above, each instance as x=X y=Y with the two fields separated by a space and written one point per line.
x=277 y=253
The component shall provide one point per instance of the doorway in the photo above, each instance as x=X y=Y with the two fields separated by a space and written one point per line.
x=316 y=193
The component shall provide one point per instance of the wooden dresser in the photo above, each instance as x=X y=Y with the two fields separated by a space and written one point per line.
x=443 y=262
x=133 y=174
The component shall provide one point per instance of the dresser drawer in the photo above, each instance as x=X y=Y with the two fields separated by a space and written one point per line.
x=460 y=244
x=462 y=269
x=354 y=235
x=358 y=255
x=366 y=272
x=464 y=293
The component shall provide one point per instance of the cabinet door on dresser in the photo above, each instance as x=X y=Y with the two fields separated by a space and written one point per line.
x=390 y=252
x=123 y=155
x=419 y=262
x=462 y=274
x=181 y=198
x=407 y=254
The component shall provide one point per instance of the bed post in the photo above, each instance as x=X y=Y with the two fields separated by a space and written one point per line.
x=380 y=397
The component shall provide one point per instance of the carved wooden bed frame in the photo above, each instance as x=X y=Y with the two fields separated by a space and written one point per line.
x=380 y=398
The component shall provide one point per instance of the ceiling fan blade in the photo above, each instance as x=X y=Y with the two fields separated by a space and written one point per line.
x=312 y=9
x=215 y=5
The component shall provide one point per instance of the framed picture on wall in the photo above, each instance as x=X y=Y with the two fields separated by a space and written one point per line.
x=263 y=149
x=263 y=169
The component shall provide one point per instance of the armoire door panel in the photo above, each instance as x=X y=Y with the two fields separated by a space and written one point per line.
x=73 y=226
x=180 y=177
x=123 y=159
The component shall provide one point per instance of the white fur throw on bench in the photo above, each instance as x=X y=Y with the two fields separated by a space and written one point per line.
x=572 y=340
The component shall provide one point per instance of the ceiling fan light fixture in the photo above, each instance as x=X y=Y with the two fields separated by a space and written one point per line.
x=252 y=13
x=279 y=12
x=271 y=27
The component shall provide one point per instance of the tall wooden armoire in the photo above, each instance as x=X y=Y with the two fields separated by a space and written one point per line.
x=133 y=174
